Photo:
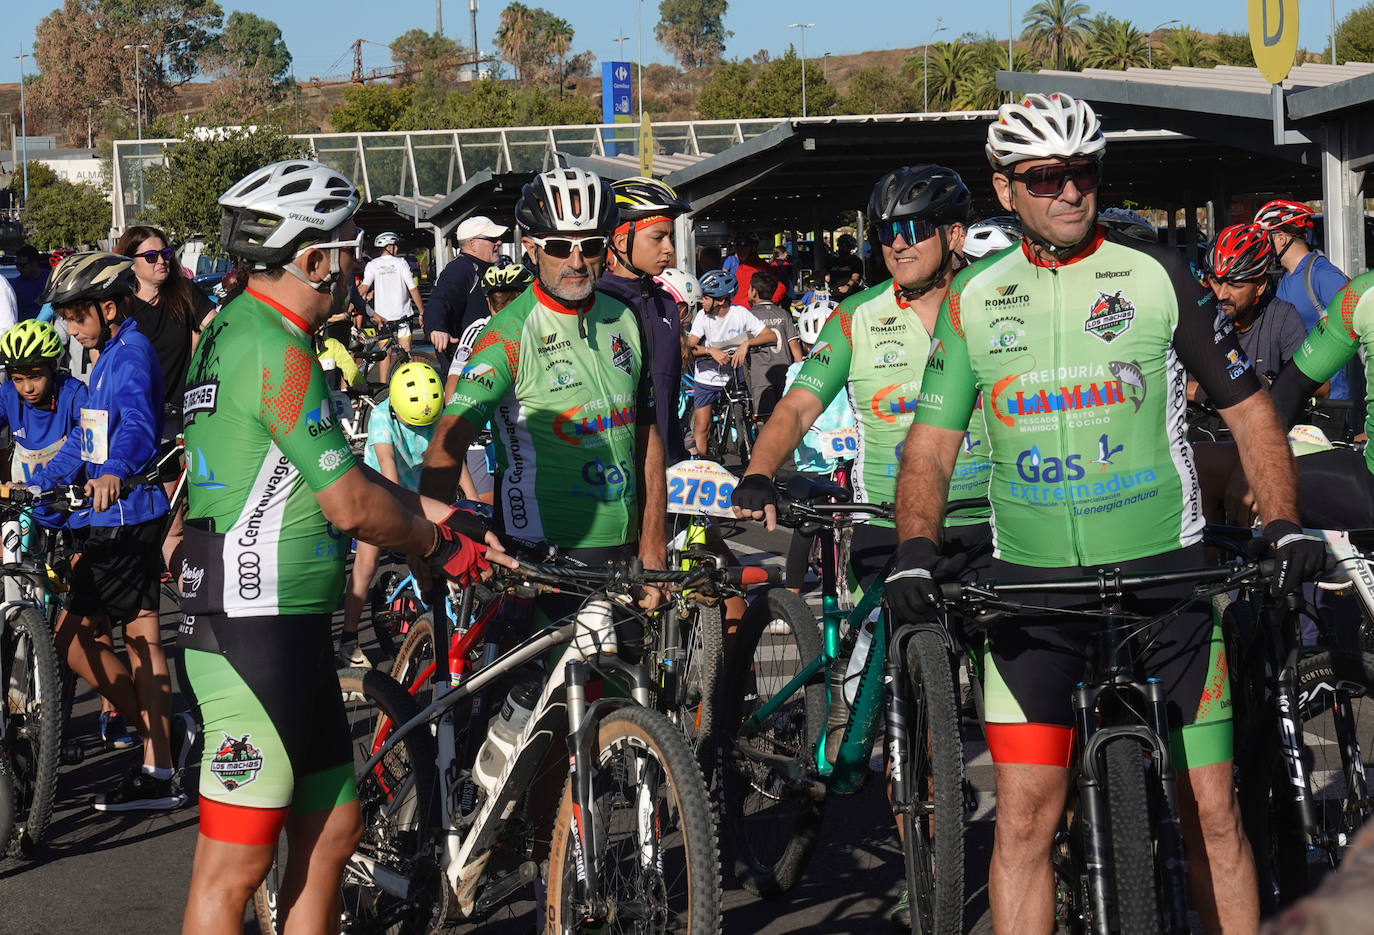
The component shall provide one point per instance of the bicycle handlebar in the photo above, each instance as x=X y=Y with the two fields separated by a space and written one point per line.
x=1107 y=582
x=65 y=497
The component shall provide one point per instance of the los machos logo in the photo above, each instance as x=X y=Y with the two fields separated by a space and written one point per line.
x=1110 y=316
x=236 y=763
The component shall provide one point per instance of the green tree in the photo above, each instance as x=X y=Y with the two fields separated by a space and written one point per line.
x=370 y=107
x=252 y=60
x=777 y=89
x=693 y=30
x=416 y=48
x=949 y=62
x=1233 y=48
x=1114 y=43
x=879 y=89
x=1355 y=36
x=536 y=43
x=1188 y=48
x=185 y=189
x=1056 y=29
x=66 y=215
x=725 y=94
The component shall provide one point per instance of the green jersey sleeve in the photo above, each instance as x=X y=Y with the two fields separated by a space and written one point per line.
x=949 y=387
x=1334 y=341
x=298 y=412
x=826 y=369
x=490 y=371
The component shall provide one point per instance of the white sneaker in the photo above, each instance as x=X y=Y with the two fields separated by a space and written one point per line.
x=352 y=657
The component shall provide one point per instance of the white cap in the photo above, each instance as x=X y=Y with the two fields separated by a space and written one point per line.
x=478 y=226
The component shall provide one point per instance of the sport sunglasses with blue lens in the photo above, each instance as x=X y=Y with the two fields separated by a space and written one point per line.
x=911 y=231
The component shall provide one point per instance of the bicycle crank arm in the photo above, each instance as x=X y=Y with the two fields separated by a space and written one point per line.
x=495 y=892
x=367 y=872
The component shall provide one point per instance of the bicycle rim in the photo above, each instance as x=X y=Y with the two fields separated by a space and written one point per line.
x=32 y=723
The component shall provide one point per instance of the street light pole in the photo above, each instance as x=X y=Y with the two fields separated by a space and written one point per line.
x=621 y=40
x=23 y=125
x=1150 y=41
x=639 y=40
x=825 y=67
x=803 y=27
x=138 y=109
x=925 y=65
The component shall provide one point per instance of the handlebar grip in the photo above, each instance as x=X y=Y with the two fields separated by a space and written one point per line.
x=951 y=590
x=749 y=576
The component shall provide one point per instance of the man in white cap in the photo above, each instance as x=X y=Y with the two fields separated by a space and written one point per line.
x=458 y=299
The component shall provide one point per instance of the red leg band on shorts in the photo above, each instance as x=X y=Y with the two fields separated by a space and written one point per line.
x=1030 y=744
x=234 y=824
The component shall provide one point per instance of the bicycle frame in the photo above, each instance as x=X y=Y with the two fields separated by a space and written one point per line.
x=562 y=703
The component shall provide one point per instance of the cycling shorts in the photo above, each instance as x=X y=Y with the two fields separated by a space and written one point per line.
x=1032 y=667
x=119 y=572
x=276 y=736
x=1335 y=490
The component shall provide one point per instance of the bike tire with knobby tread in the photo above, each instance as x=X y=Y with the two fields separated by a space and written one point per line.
x=1130 y=832
x=935 y=761
x=33 y=724
x=417 y=758
x=706 y=650
x=692 y=818
x=770 y=870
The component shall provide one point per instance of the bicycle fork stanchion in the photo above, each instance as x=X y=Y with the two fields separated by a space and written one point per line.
x=1170 y=833
x=1092 y=810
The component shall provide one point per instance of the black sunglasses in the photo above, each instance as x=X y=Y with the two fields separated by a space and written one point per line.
x=151 y=255
x=911 y=231
x=560 y=248
x=1049 y=181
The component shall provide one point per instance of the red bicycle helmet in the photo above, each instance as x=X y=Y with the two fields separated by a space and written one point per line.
x=1240 y=253
x=1288 y=216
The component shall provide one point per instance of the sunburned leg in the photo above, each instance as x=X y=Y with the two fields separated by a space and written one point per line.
x=223 y=878
x=309 y=897
x=1030 y=801
x=1221 y=866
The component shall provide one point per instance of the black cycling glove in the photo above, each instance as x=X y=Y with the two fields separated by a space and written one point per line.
x=911 y=588
x=1299 y=556
x=754 y=492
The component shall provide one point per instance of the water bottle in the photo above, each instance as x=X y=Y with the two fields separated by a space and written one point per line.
x=503 y=733
x=859 y=657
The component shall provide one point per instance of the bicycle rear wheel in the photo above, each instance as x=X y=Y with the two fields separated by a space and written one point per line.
x=933 y=821
x=6 y=799
x=660 y=869
x=414 y=658
x=1132 y=841
x=33 y=715
x=396 y=800
x=771 y=808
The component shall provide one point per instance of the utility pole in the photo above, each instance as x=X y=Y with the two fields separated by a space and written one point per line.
x=438 y=17
x=476 y=56
x=1333 y=32
x=138 y=104
x=925 y=65
x=24 y=125
x=621 y=40
x=803 y=27
x=639 y=41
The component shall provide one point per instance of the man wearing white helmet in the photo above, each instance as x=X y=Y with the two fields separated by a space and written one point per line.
x=274 y=497
x=1084 y=403
x=389 y=285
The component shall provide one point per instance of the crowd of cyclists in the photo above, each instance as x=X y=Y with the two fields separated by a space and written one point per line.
x=1043 y=360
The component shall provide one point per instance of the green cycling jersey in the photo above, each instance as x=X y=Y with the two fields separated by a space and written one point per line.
x=874 y=347
x=1081 y=367
x=1347 y=329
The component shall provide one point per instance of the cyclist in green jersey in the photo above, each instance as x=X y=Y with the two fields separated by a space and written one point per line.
x=561 y=375
x=874 y=349
x=1084 y=412
x=274 y=498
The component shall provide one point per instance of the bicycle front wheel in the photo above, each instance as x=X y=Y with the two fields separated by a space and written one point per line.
x=698 y=686
x=28 y=659
x=1132 y=840
x=933 y=819
x=771 y=804
x=659 y=864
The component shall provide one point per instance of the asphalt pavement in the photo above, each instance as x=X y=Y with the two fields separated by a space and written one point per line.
x=129 y=873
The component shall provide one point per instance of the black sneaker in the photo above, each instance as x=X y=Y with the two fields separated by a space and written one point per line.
x=140 y=792
x=183 y=738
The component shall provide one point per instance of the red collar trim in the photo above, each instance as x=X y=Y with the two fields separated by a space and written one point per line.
x=558 y=305
x=286 y=313
x=1099 y=235
x=897 y=294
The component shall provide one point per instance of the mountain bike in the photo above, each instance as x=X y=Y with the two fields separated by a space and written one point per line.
x=633 y=840
x=732 y=422
x=788 y=740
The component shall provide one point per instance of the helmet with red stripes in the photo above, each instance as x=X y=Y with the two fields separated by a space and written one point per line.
x=1288 y=216
x=1240 y=253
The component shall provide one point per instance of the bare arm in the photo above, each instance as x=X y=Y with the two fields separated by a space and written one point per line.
x=795 y=345
x=928 y=457
x=1265 y=456
x=796 y=412
x=415 y=297
x=445 y=457
x=359 y=508
x=653 y=501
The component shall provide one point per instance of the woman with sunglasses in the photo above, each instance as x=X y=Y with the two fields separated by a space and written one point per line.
x=169 y=310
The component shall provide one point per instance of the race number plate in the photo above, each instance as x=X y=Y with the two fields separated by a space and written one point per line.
x=840 y=444
x=700 y=488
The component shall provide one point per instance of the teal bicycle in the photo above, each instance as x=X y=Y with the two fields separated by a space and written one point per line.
x=789 y=737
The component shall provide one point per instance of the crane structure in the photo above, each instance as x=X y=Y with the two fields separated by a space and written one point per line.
x=360 y=75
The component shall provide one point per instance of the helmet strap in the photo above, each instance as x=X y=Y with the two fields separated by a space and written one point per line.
x=946 y=258
x=1057 y=253
x=325 y=284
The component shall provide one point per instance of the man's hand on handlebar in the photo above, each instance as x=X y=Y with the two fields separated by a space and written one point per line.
x=755 y=497
x=911 y=588
x=718 y=355
x=1298 y=556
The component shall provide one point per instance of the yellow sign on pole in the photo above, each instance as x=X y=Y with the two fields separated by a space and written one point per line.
x=1274 y=37
x=646 y=148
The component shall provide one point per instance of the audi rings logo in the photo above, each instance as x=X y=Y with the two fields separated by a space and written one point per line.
x=518 y=517
x=250 y=576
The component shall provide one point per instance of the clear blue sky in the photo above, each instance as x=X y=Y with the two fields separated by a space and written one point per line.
x=318 y=34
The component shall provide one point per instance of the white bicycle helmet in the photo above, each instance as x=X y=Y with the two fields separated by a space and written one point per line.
x=1042 y=126
x=269 y=214
x=813 y=318
x=990 y=235
x=386 y=240
x=567 y=201
x=681 y=285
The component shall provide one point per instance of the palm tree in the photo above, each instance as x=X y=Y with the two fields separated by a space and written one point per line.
x=1055 y=28
x=1114 y=43
x=1189 y=48
x=949 y=61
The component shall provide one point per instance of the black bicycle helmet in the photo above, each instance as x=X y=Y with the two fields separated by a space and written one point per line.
x=567 y=201
x=638 y=198
x=91 y=277
x=925 y=192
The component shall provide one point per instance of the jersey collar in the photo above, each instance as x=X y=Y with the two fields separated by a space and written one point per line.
x=285 y=312
x=558 y=305
x=1095 y=241
x=897 y=294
